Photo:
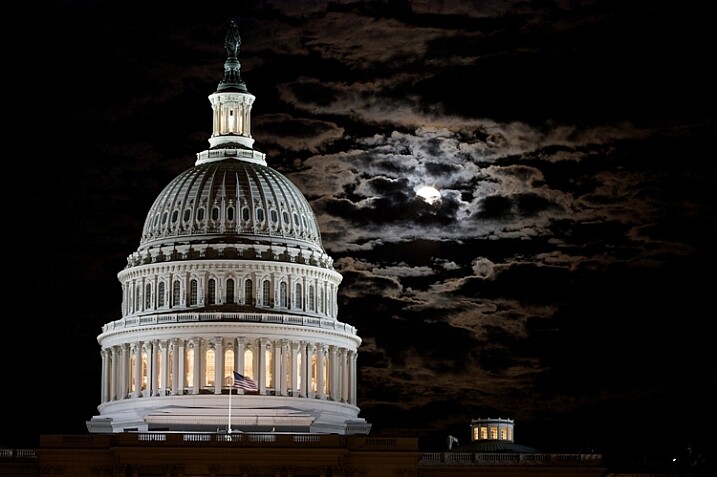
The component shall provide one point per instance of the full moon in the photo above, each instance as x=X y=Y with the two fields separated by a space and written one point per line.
x=429 y=194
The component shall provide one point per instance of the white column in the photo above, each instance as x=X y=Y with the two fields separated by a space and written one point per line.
x=239 y=355
x=320 y=363
x=124 y=372
x=353 y=356
x=293 y=347
x=197 y=365
x=105 y=376
x=164 y=375
x=154 y=369
x=174 y=366
x=179 y=357
x=310 y=369
x=278 y=382
x=114 y=372
x=345 y=376
x=333 y=373
x=218 y=365
x=137 y=370
x=304 y=387
x=260 y=366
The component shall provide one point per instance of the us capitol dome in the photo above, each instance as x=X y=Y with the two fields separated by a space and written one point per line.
x=230 y=276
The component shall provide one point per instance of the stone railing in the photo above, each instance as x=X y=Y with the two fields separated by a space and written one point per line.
x=505 y=458
x=186 y=317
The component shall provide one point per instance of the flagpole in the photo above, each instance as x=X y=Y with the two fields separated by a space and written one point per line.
x=229 y=426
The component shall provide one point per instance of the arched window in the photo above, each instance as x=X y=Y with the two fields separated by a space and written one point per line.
x=230 y=290
x=143 y=373
x=314 y=372
x=269 y=367
x=160 y=294
x=299 y=374
x=137 y=294
x=282 y=295
x=229 y=367
x=248 y=292
x=189 y=367
x=147 y=296
x=299 y=299
x=175 y=293
x=266 y=293
x=321 y=299
x=211 y=292
x=311 y=298
x=249 y=363
x=193 y=292
x=209 y=369
x=132 y=367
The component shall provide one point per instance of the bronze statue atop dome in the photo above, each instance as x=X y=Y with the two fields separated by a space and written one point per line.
x=232 y=41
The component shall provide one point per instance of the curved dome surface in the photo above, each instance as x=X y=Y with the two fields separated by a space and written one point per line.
x=231 y=201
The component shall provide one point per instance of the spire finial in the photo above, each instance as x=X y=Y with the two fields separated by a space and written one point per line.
x=232 y=79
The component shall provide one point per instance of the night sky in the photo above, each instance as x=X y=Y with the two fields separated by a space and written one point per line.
x=564 y=280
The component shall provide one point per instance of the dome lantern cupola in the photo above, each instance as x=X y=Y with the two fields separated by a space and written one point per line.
x=232 y=102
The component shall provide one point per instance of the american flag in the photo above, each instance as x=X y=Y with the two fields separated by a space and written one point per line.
x=243 y=382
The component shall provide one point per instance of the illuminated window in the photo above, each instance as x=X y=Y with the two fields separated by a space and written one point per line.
x=299 y=381
x=314 y=372
x=132 y=367
x=503 y=434
x=269 y=368
x=326 y=373
x=209 y=369
x=189 y=367
x=143 y=375
x=249 y=363
x=493 y=432
x=476 y=433
x=483 y=432
x=229 y=367
x=159 y=368
x=170 y=377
